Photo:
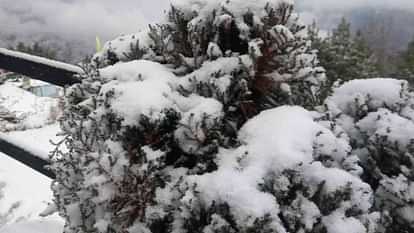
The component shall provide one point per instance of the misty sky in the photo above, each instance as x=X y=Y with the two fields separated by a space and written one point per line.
x=84 y=19
x=77 y=18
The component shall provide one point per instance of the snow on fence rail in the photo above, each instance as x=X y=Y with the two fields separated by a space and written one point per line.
x=54 y=72
x=28 y=158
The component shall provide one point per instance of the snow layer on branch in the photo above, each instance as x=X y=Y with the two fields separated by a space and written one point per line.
x=124 y=45
x=377 y=115
x=384 y=123
x=338 y=223
x=139 y=88
x=215 y=72
x=238 y=8
x=202 y=109
x=374 y=93
x=373 y=107
x=274 y=141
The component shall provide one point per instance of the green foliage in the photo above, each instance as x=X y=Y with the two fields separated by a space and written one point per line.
x=344 y=56
x=406 y=67
x=36 y=49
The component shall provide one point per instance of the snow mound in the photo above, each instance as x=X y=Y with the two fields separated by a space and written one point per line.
x=369 y=93
x=235 y=7
x=41 y=226
x=138 y=88
x=276 y=141
x=30 y=111
x=120 y=48
x=378 y=117
x=24 y=195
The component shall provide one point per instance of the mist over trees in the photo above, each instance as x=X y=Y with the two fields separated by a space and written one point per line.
x=347 y=53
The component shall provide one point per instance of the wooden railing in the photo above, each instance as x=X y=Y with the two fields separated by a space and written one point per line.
x=54 y=72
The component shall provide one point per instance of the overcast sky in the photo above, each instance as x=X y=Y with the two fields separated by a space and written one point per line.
x=84 y=19
x=78 y=18
x=347 y=4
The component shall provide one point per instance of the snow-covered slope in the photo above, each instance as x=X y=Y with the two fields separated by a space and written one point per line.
x=23 y=190
x=31 y=111
x=24 y=195
x=37 y=226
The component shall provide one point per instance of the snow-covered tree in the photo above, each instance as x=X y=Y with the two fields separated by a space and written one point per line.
x=378 y=116
x=185 y=127
x=344 y=56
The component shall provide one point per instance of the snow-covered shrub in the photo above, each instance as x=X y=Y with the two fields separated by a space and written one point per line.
x=185 y=131
x=378 y=116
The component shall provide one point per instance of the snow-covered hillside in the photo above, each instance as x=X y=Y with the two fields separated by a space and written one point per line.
x=30 y=111
x=25 y=193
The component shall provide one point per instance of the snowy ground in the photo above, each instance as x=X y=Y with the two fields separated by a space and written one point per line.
x=31 y=111
x=31 y=192
x=25 y=193
x=29 y=189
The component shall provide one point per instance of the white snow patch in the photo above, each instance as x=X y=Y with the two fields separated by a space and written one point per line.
x=374 y=92
x=31 y=111
x=37 y=141
x=139 y=88
x=27 y=187
x=271 y=144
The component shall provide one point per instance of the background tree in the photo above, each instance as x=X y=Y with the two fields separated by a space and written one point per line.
x=346 y=56
x=406 y=67
x=35 y=49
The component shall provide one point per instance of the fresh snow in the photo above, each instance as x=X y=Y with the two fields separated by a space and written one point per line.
x=34 y=226
x=384 y=123
x=30 y=110
x=29 y=190
x=139 y=88
x=375 y=93
x=23 y=191
x=124 y=44
x=275 y=140
x=37 y=141
x=236 y=7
